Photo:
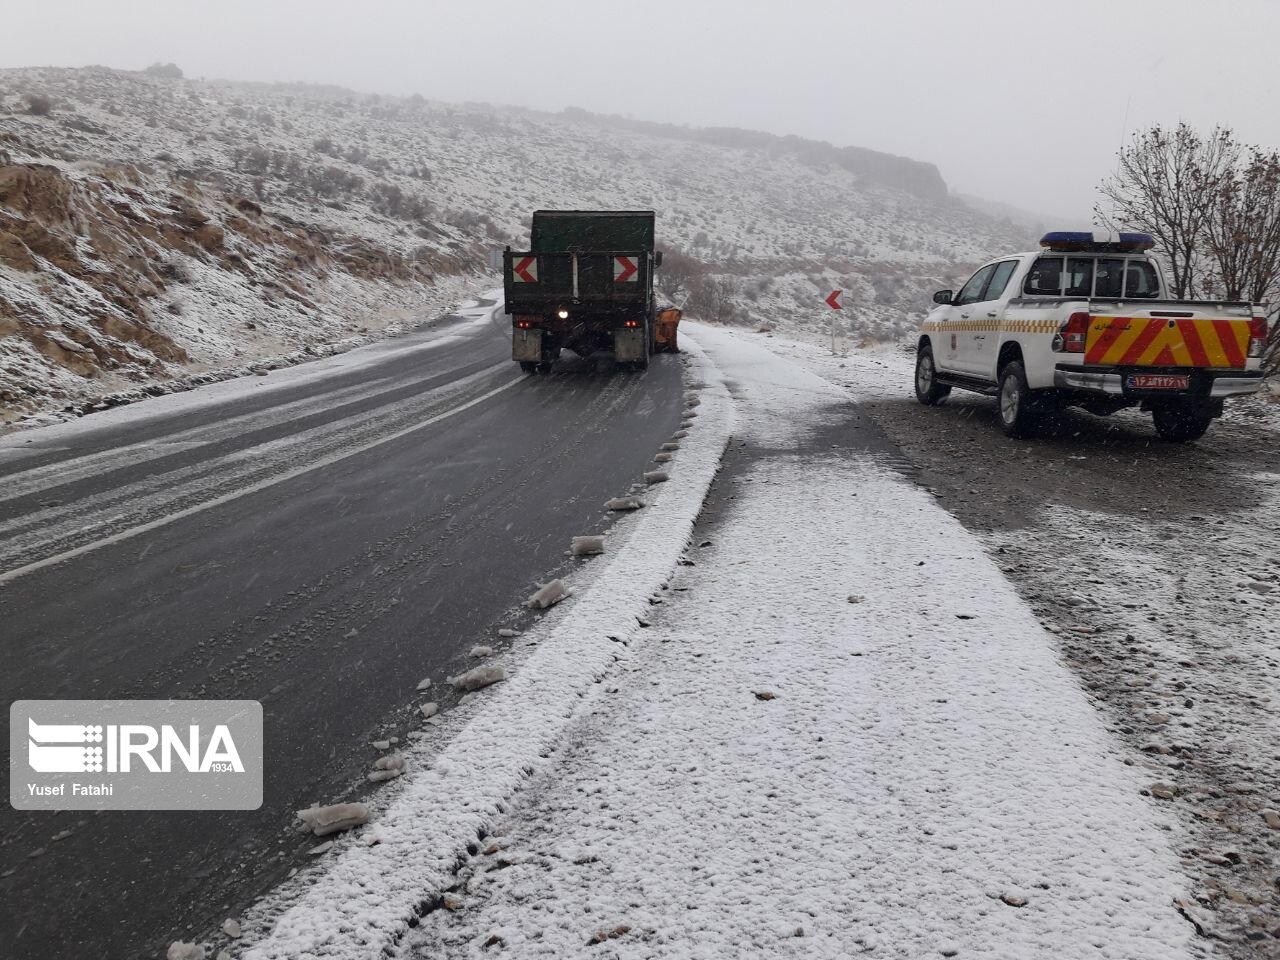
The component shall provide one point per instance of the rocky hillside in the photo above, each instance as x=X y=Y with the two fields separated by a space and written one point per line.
x=152 y=227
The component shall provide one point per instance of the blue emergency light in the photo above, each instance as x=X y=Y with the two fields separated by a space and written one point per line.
x=1084 y=241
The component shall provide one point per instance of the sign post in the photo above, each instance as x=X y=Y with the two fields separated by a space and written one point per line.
x=833 y=301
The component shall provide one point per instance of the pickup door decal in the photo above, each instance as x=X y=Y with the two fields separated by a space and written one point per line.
x=1156 y=342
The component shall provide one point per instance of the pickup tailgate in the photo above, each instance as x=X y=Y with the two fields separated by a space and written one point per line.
x=1168 y=338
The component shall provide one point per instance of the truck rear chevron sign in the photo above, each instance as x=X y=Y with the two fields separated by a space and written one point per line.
x=625 y=270
x=525 y=270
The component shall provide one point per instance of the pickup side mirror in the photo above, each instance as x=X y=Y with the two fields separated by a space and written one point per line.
x=657 y=259
x=943 y=296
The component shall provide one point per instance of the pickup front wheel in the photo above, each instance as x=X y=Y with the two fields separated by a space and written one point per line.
x=928 y=390
x=1017 y=415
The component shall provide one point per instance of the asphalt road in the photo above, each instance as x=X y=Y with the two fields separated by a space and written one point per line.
x=319 y=547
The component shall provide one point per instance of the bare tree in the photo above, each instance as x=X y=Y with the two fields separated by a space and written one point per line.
x=1167 y=184
x=675 y=278
x=712 y=298
x=1242 y=237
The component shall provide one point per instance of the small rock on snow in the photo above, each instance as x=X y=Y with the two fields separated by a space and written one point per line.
x=600 y=936
x=424 y=683
x=321 y=849
x=1014 y=898
x=387 y=768
x=548 y=595
x=429 y=710
x=451 y=901
x=381 y=744
x=231 y=928
x=1163 y=791
x=331 y=819
x=670 y=445
x=663 y=457
x=479 y=677
x=679 y=434
x=656 y=476
x=178 y=950
x=624 y=503
x=854 y=598
x=586 y=546
x=1272 y=819
x=765 y=695
x=480 y=650
x=507 y=632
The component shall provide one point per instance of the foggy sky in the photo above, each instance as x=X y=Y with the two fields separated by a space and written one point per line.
x=1021 y=101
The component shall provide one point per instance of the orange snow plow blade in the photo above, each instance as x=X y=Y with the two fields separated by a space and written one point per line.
x=665 y=335
x=1161 y=342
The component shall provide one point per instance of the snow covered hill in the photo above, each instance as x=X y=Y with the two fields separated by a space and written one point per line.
x=149 y=223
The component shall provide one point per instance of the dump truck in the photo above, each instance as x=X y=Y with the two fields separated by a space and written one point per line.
x=585 y=284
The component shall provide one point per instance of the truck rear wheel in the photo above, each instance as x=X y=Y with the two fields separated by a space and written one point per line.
x=1180 y=424
x=528 y=366
x=1017 y=413
x=641 y=365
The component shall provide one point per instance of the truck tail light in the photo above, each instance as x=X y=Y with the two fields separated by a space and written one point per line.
x=1257 y=336
x=1072 y=334
x=527 y=321
x=631 y=324
x=523 y=324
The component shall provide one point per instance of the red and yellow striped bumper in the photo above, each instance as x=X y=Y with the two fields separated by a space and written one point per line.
x=1161 y=342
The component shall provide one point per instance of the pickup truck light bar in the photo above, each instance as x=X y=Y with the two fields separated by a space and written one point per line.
x=1084 y=241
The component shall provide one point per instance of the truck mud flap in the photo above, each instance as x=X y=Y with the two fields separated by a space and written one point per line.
x=526 y=345
x=629 y=345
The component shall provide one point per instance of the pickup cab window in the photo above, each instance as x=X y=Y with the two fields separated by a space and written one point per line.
x=1140 y=280
x=972 y=292
x=1079 y=278
x=1108 y=278
x=1000 y=279
x=1044 y=279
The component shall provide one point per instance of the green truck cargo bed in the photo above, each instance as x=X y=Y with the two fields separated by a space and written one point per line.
x=561 y=231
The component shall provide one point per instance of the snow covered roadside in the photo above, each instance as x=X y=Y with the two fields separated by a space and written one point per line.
x=370 y=894
x=1166 y=604
x=845 y=734
x=212 y=386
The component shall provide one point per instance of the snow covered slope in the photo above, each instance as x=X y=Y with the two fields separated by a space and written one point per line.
x=179 y=220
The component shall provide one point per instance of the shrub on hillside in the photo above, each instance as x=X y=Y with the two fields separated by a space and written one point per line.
x=169 y=71
x=38 y=105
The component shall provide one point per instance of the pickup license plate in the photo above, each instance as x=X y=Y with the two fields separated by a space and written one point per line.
x=1158 y=381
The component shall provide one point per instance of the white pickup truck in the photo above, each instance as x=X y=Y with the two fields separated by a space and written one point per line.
x=1085 y=321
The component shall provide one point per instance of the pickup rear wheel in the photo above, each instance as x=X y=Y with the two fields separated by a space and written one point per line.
x=928 y=390
x=1179 y=424
x=1017 y=413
